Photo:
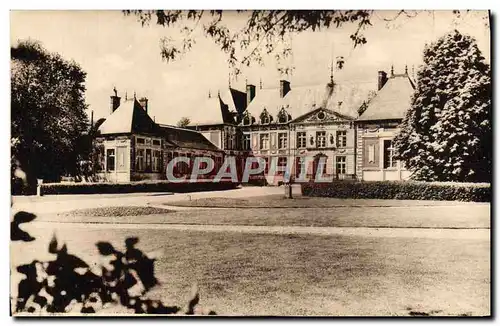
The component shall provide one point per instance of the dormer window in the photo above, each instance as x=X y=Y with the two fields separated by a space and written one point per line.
x=265 y=118
x=283 y=116
x=248 y=119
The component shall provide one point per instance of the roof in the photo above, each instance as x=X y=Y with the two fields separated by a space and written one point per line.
x=218 y=109
x=392 y=101
x=129 y=117
x=186 y=138
x=303 y=99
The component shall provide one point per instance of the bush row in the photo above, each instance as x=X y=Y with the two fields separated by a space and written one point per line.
x=130 y=187
x=400 y=190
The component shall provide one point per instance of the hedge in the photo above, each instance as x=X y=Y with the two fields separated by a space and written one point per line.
x=474 y=192
x=131 y=187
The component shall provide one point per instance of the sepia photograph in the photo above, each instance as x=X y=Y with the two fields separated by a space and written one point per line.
x=219 y=163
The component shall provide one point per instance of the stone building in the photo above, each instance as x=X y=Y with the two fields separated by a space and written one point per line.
x=336 y=128
x=132 y=147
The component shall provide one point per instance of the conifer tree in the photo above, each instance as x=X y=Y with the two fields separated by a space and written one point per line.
x=446 y=135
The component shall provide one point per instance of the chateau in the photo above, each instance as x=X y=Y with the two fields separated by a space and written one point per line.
x=336 y=128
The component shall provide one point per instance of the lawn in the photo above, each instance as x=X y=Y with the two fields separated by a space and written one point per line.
x=471 y=215
x=278 y=201
x=250 y=274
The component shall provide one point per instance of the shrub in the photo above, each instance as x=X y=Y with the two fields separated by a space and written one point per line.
x=474 y=192
x=131 y=187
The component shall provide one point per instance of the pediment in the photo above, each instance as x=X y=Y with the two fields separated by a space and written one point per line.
x=322 y=116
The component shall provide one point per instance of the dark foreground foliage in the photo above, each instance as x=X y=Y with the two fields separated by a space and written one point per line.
x=68 y=284
x=473 y=192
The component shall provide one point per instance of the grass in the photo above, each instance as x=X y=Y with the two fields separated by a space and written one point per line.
x=278 y=201
x=249 y=274
x=458 y=216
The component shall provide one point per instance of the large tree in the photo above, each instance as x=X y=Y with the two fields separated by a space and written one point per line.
x=48 y=112
x=447 y=135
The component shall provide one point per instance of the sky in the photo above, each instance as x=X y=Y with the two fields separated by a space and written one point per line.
x=116 y=51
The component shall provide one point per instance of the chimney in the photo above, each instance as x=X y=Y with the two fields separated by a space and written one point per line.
x=250 y=93
x=284 y=87
x=143 y=101
x=115 y=101
x=382 y=79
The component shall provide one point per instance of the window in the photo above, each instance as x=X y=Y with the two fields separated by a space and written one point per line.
x=299 y=165
x=246 y=141
x=246 y=120
x=321 y=138
x=282 y=140
x=139 y=160
x=156 y=142
x=231 y=141
x=139 y=140
x=267 y=161
x=283 y=116
x=341 y=138
x=264 y=141
x=281 y=165
x=156 y=161
x=301 y=139
x=110 y=159
x=340 y=164
x=389 y=161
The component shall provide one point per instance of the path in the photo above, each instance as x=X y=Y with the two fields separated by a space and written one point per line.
x=435 y=233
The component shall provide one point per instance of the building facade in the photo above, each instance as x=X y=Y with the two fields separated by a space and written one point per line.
x=337 y=130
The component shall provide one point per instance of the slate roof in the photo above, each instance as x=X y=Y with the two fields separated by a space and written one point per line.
x=303 y=99
x=186 y=138
x=129 y=117
x=392 y=101
x=218 y=109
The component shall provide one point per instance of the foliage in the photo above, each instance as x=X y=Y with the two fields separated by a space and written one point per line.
x=69 y=284
x=474 y=192
x=129 y=187
x=447 y=135
x=262 y=32
x=183 y=122
x=48 y=111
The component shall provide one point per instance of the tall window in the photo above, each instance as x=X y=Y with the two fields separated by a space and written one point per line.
x=139 y=160
x=281 y=165
x=389 y=161
x=148 y=160
x=282 y=140
x=231 y=141
x=301 y=139
x=156 y=161
x=341 y=138
x=110 y=159
x=299 y=163
x=264 y=141
x=321 y=138
x=246 y=141
x=340 y=165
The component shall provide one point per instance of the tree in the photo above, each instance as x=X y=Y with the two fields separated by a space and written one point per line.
x=446 y=135
x=183 y=122
x=262 y=32
x=48 y=112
